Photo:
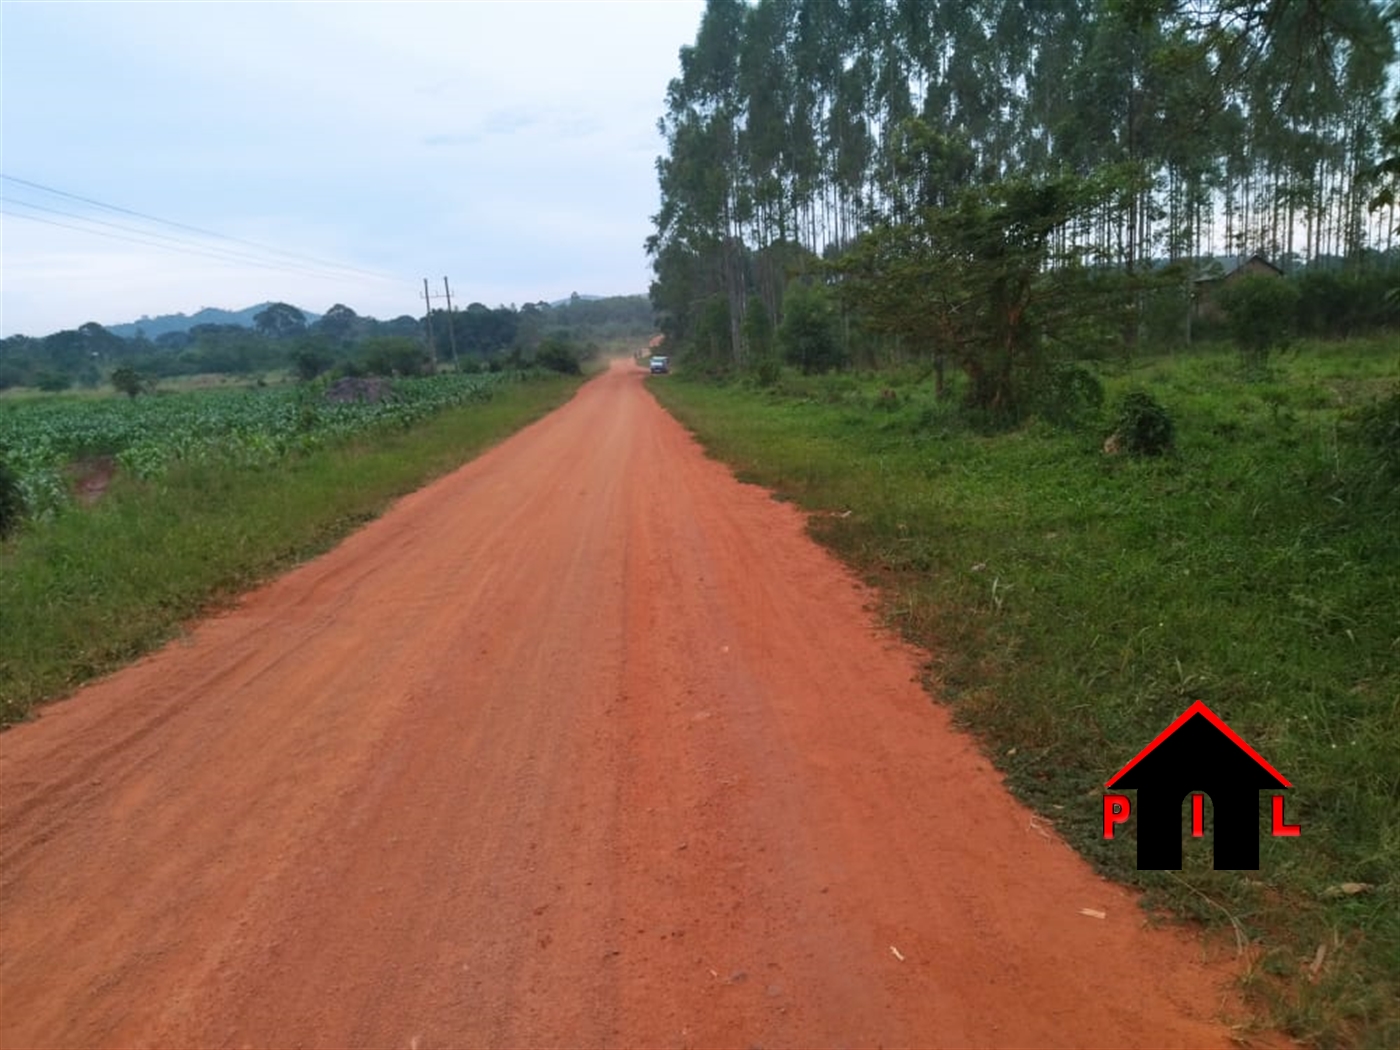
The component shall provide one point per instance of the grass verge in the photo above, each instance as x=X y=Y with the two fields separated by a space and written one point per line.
x=1076 y=602
x=97 y=588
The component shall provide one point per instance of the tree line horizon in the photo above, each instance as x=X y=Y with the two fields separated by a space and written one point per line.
x=282 y=337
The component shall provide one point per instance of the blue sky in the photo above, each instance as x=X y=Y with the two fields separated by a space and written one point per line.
x=508 y=146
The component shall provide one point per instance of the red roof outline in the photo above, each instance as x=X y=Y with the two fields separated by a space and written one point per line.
x=1199 y=708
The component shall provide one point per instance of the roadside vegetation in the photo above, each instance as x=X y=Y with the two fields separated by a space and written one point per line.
x=199 y=496
x=45 y=441
x=1077 y=600
x=1076 y=326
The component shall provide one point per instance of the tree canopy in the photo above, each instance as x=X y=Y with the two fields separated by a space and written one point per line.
x=796 y=130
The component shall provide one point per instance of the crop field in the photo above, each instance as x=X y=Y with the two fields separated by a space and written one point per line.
x=145 y=436
x=205 y=494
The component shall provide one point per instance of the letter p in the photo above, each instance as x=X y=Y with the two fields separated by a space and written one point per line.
x=1115 y=811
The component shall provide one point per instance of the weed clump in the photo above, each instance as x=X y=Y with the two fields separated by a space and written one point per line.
x=1378 y=427
x=1144 y=426
x=767 y=372
x=1069 y=396
x=11 y=500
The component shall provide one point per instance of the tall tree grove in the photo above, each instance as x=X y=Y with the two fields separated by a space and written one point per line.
x=797 y=129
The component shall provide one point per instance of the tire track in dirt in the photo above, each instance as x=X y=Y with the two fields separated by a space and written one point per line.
x=584 y=744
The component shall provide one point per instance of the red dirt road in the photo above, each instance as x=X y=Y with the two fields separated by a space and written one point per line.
x=584 y=745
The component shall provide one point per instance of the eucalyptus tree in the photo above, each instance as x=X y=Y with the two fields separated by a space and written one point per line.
x=703 y=202
x=796 y=127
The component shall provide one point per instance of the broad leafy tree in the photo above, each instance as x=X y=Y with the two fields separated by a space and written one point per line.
x=279 y=321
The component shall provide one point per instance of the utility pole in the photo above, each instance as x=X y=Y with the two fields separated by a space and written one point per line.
x=428 y=322
x=451 y=324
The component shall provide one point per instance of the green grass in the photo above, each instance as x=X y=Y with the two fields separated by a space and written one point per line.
x=95 y=588
x=1076 y=602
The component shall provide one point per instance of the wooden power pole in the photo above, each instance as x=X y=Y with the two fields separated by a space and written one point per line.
x=451 y=323
x=428 y=323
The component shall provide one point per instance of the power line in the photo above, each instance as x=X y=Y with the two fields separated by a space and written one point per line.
x=187 y=246
x=195 y=229
x=163 y=247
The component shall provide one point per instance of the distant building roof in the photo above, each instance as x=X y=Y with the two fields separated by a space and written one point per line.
x=1251 y=264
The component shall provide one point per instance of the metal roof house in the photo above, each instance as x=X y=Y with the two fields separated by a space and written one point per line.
x=1205 y=288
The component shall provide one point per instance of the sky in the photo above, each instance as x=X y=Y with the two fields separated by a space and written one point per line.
x=326 y=153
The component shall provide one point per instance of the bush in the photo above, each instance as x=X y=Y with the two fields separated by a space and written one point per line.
x=11 y=500
x=1262 y=312
x=808 y=335
x=1377 y=429
x=758 y=329
x=558 y=355
x=1068 y=395
x=1336 y=303
x=1144 y=427
x=393 y=355
x=310 y=363
x=128 y=381
x=767 y=372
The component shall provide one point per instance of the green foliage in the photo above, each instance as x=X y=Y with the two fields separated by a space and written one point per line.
x=1386 y=173
x=971 y=280
x=11 y=499
x=796 y=128
x=709 y=346
x=279 y=321
x=759 y=333
x=1262 y=312
x=1144 y=427
x=1068 y=395
x=334 y=342
x=53 y=382
x=128 y=381
x=1073 y=604
x=558 y=355
x=394 y=356
x=808 y=335
x=239 y=428
x=767 y=371
x=310 y=362
x=91 y=591
x=1376 y=431
x=1340 y=303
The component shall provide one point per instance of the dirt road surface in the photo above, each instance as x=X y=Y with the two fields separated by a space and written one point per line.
x=584 y=745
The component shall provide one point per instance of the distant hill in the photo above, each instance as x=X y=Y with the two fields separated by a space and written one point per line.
x=158 y=326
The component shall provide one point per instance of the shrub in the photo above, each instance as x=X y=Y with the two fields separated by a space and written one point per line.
x=558 y=355
x=808 y=335
x=767 y=372
x=393 y=355
x=1144 y=427
x=1377 y=428
x=11 y=500
x=128 y=381
x=1069 y=395
x=1339 y=303
x=758 y=329
x=1262 y=312
x=310 y=363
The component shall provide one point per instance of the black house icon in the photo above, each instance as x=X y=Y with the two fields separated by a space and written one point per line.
x=1198 y=752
